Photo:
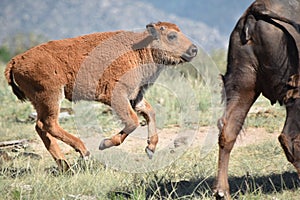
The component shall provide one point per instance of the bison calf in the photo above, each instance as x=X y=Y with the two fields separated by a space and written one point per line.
x=114 y=68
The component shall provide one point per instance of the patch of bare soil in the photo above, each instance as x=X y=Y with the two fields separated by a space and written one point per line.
x=175 y=137
x=252 y=135
x=170 y=139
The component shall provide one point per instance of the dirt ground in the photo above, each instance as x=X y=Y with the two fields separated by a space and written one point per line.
x=203 y=137
x=173 y=143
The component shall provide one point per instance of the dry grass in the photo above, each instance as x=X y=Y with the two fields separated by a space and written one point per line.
x=258 y=170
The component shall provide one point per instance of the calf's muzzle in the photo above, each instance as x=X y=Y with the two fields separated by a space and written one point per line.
x=190 y=53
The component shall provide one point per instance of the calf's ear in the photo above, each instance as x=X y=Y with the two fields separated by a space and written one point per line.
x=152 y=31
x=143 y=43
x=153 y=35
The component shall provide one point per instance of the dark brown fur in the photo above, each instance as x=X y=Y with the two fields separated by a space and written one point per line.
x=263 y=58
x=114 y=68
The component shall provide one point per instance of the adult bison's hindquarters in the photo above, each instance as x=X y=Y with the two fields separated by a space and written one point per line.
x=114 y=68
x=263 y=58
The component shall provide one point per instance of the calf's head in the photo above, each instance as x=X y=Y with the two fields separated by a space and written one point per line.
x=169 y=45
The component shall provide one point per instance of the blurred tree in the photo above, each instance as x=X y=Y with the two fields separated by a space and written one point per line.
x=19 y=43
x=4 y=54
x=219 y=56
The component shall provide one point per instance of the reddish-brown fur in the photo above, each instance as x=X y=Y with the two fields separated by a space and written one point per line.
x=114 y=68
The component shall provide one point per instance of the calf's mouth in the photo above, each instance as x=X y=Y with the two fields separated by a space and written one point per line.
x=190 y=53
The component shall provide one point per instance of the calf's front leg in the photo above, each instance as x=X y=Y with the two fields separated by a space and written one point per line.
x=148 y=113
x=129 y=118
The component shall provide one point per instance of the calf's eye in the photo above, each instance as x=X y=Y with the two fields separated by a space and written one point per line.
x=172 y=36
x=162 y=28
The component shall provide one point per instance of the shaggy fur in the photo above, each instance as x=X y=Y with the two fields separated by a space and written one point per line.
x=114 y=68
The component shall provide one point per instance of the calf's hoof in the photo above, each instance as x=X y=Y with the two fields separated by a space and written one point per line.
x=86 y=156
x=63 y=166
x=149 y=152
x=106 y=143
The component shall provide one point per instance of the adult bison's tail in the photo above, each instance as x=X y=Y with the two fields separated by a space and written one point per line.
x=261 y=9
x=10 y=79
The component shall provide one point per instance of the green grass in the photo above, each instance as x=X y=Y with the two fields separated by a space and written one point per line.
x=264 y=115
x=258 y=171
x=186 y=178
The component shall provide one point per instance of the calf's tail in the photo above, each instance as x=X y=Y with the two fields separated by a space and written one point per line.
x=10 y=79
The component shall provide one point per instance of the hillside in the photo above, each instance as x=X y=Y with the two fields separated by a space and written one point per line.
x=220 y=14
x=60 y=19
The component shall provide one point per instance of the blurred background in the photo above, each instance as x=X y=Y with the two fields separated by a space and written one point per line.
x=27 y=23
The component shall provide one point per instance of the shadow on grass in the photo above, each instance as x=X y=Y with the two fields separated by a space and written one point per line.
x=200 y=187
x=14 y=172
x=238 y=185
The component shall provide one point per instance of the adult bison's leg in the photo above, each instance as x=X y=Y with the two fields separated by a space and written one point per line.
x=148 y=113
x=130 y=119
x=290 y=136
x=230 y=125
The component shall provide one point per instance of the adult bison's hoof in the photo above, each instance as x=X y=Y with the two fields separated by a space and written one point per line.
x=221 y=195
x=104 y=144
x=149 y=152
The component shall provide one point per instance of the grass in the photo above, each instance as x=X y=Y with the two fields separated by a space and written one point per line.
x=257 y=171
x=262 y=114
x=186 y=178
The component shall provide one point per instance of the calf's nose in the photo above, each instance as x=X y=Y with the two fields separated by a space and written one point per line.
x=193 y=50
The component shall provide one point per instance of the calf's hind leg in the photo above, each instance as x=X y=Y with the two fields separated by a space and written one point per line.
x=53 y=148
x=48 y=128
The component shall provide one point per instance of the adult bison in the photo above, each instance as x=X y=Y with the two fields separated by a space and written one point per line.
x=114 y=68
x=263 y=58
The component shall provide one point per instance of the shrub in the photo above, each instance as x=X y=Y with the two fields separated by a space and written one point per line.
x=19 y=43
x=5 y=55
